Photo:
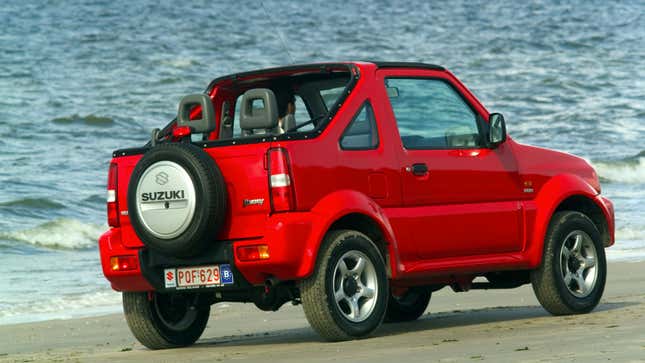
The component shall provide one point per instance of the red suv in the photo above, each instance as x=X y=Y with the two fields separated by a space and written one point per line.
x=355 y=189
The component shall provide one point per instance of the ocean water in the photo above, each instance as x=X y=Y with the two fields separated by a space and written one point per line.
x=79 y=79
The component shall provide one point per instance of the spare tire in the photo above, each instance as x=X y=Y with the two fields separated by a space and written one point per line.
x=176 y=199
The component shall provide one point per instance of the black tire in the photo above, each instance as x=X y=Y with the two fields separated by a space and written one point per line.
x=408 y=307
x=210 y=204
x=329 y=318
x=165 y=320
x=555 y=295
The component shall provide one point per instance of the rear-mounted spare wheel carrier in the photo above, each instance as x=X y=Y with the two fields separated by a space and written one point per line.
x=176 y=199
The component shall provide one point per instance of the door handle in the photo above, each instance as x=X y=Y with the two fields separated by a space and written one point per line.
x=419 y=169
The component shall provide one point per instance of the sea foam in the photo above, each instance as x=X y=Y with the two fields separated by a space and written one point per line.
x=630 y=233
x=62 y=307
x=630 y=171
x=59 y=234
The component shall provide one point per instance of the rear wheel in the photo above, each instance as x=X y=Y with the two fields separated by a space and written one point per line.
x=346 y=296
x=409 y=306
x=162 y=321
x=572 y=276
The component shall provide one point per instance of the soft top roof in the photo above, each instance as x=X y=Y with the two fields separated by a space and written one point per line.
x=307 y=67
x=385 y=64
x=322 y=67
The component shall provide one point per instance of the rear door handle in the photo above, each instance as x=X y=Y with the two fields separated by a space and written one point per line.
x=419 y=169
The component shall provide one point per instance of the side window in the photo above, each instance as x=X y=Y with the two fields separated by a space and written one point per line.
x=361 y=134
x=331 y=95
x=237 y=131
x=430 y=114
x=302 y=115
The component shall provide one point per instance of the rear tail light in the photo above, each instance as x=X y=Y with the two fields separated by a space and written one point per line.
x=253 y=253
x=181 y=132
x=280 y=182
x=112 y=205
x=124 y=263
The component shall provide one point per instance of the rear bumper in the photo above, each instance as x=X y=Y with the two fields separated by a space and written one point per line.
x=290 y=238
x=111 y=245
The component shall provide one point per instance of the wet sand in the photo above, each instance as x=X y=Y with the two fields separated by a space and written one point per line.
x=496 y=326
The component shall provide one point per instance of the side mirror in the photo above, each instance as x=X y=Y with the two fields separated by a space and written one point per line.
x=187 y=104
x=496 y=129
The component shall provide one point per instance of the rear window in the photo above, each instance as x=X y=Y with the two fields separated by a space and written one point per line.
x=303 y=101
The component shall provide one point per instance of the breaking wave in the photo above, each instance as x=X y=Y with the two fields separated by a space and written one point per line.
x=59 y=234
x=61 y=307
x=630 y=233
x=630 y=170
x=91 y=120
x=629 y=244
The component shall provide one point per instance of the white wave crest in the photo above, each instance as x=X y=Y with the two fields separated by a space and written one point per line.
x=62 y=307
x=623 y=172
x=632 y=255
x=630 y=234
x=60 y=233
x=630 y=244
x=180 y=63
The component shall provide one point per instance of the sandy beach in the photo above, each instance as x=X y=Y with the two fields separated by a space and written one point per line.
x=497 y=325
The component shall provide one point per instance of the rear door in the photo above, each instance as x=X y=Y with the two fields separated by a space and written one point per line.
x=460 y=198
x=244 y=170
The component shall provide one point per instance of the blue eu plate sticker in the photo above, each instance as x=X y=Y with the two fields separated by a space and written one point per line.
x=227 y=274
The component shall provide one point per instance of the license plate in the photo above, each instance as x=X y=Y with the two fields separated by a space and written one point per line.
x=199 y=276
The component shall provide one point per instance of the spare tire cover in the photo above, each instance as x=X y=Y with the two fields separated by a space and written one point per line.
x=165 y=199
x=176 y=199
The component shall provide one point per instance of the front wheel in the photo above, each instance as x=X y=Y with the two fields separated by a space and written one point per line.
x=572 y=276
x=347 y=294
x=161 y=321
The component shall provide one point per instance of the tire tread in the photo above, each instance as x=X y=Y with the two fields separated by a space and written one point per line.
x=543 y=279
x=314 y=297
x=316 y=305
x=140 y=319
x=144 y=325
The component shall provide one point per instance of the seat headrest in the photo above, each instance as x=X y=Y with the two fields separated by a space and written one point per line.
x=188 y=104
x=259 y=109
